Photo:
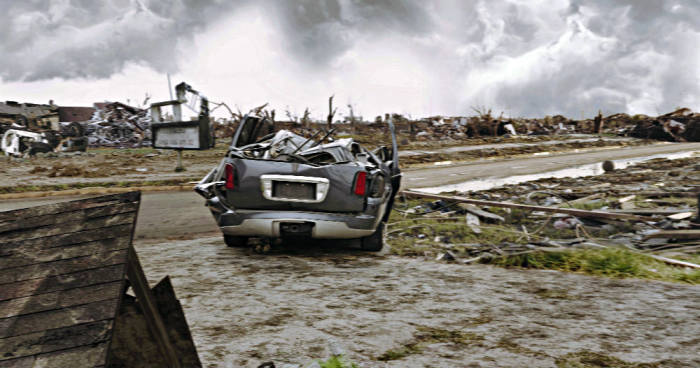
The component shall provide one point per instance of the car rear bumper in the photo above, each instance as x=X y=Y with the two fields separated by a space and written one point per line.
x=277 y=224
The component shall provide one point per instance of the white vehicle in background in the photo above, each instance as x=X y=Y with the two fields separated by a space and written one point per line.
x=15 y=142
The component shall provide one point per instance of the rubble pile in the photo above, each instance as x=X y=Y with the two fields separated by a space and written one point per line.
x=649 y=208
x=118 y=125
x=678 y=126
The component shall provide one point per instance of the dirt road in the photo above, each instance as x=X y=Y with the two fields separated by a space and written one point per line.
x=177 y=214
x=246 y=308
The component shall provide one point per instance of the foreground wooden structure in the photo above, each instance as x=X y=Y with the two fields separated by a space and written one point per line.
x=73 y=294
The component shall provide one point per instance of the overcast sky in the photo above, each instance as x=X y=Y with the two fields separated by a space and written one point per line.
x=417 y=57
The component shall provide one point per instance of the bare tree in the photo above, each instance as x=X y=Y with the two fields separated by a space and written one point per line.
x=331 y=111
x=352 y=118
x=306 y=118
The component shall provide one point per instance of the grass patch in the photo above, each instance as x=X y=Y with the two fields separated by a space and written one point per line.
x=427 y=336
x=611 y=262
x=406 y=242
x=337 y=362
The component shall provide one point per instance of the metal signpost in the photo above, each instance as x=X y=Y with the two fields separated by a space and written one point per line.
x=178 y=134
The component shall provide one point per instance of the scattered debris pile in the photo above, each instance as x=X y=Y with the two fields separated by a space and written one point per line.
x=649 y=208
x=678 y=126
x=119 y=125
x=28 y=129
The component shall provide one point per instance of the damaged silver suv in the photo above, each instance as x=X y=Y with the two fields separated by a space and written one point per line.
x=277 y=184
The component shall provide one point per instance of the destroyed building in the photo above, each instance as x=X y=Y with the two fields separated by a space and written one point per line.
x=29 y=115
x=115 y=124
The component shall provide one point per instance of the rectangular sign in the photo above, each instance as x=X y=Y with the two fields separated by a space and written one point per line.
x=185 y=137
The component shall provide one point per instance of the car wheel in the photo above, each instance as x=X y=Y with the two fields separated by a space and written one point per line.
x=374 y=242
x=38 y=147
x=235 y=241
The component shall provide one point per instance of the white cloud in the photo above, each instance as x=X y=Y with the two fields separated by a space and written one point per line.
x=527 y=58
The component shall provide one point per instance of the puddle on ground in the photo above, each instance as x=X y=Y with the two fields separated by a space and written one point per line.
x=457 y=149
x=574 y=172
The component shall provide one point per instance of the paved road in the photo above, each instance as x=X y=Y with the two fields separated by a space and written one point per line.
x=176 y=214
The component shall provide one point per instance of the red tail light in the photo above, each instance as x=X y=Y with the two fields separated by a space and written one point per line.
x=229 y=176
x=361 y=183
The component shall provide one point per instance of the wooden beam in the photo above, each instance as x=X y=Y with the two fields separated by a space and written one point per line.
x=568 y=211
x=29 y=257
x=28 y=323
x=71 y=216
x=674 y=234
x=145 y=298
x=674 y=262
x=70 y=227
x=55 y=340
x=62 y=282
x=60 y=240
x=59 y=299
x=60 y=207
x=64 y=266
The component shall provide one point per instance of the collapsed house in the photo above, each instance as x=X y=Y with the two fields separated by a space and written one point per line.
x=74 y=294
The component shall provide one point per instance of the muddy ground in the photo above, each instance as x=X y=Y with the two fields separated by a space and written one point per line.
x=246 y=308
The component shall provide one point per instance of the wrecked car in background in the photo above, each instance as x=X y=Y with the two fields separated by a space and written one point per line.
x=277 y=184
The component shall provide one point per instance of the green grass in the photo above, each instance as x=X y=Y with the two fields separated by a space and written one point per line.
x=610 y=262
x=337 y=362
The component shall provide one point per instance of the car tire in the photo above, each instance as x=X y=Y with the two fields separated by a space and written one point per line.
x=235 y=241
x=374 y=242
x=38 y=147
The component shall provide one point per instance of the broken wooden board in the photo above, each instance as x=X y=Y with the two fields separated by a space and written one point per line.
x=674 y=234
x=486 y=216
x=569 y=211
x=64 y=271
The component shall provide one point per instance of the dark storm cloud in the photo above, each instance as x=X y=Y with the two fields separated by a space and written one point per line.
x=43 y=39
x=526 y=57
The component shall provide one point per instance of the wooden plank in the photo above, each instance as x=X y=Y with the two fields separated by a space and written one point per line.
x=569 y=211
x=62 y=282
x=61 y=240
x=28 y=323
x=674 y=234
x=55 y=340
x=674 y=262
x=97 y=260
x=84 y=356
x=96 y=223
x=60 y=207
x=653 y=211
x=173 y=316
x=25 y=257
x=146 y=300
x=106 y=209
x=60 y=299
x=474 y=210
